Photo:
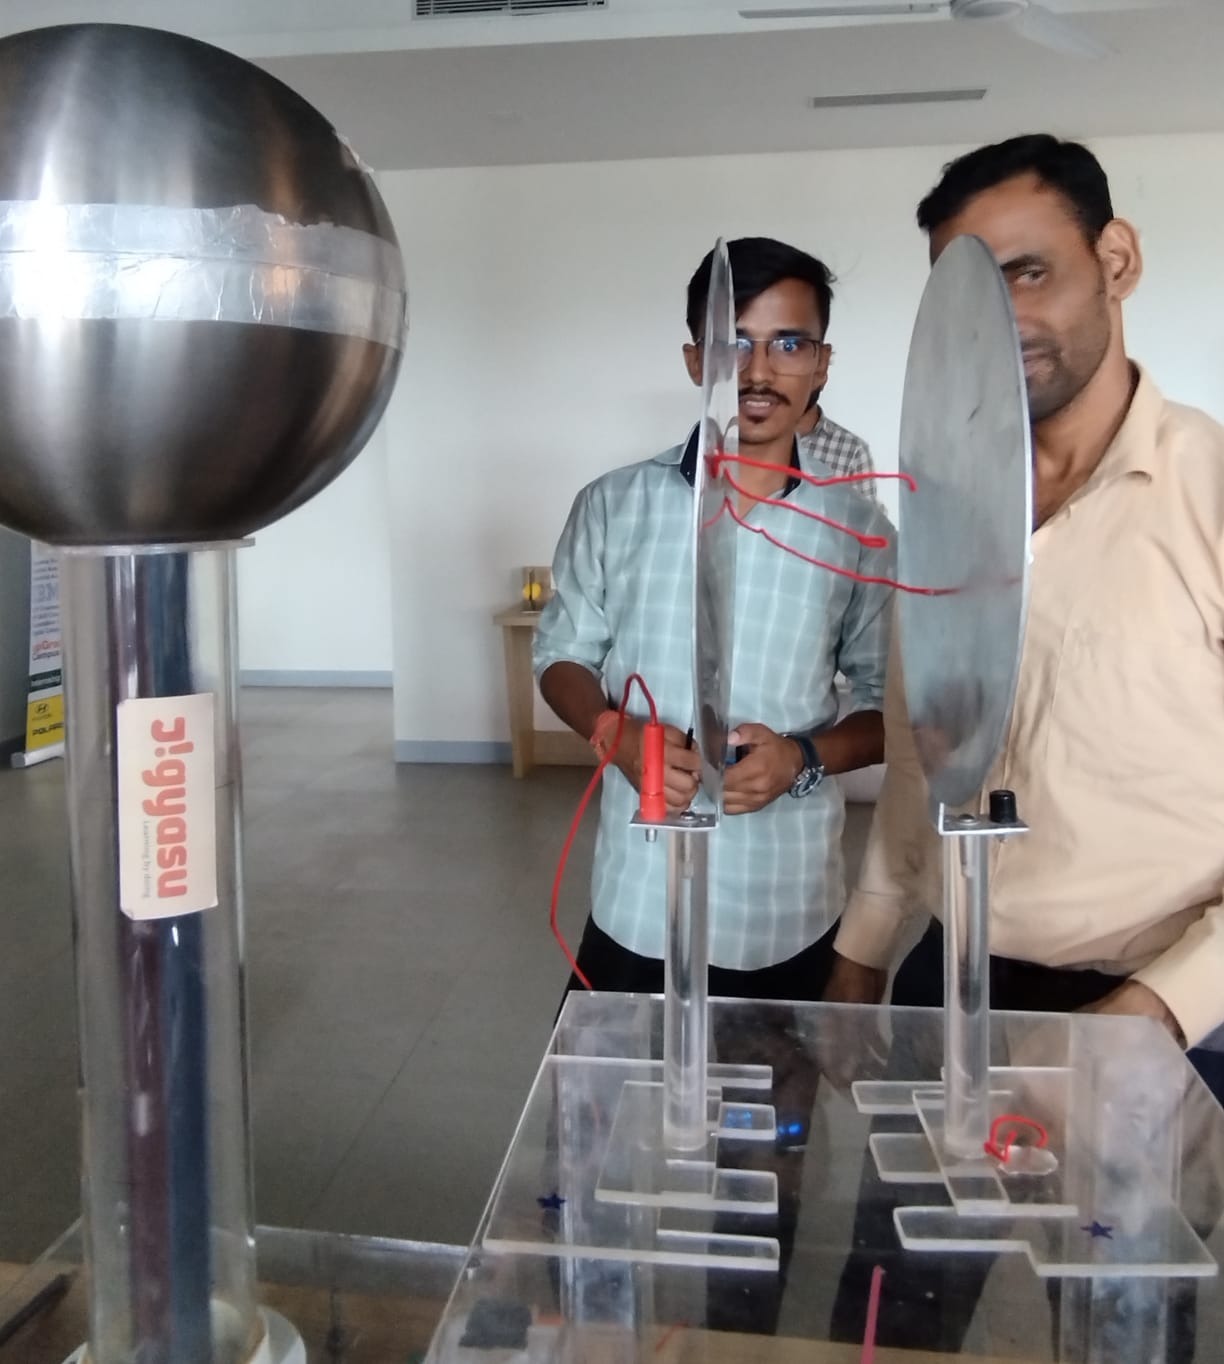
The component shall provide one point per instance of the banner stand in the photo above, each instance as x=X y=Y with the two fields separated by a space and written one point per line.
x=45 y=699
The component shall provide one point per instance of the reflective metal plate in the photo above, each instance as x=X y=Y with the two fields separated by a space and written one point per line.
x=714 y=531
x=965 y=440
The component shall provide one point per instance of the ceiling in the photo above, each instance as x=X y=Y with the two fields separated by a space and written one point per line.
x=701 y=93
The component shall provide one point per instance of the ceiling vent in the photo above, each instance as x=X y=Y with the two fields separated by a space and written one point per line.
x=455 y=9
x=866 y=101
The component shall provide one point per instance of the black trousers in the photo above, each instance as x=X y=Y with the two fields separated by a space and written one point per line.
x=928 y=1304
x=609 y=966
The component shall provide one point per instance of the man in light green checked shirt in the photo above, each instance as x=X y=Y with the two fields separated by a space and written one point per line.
x=622 y=575
x=820 y=438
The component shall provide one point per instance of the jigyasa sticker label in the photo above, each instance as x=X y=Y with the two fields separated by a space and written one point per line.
x=167 y=806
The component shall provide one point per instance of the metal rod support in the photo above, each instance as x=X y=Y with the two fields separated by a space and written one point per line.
x=685 y=993
x=966 y=993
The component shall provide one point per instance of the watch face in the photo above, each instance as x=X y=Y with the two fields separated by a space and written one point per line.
x=807 y=781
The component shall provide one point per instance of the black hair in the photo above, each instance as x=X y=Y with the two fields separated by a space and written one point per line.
x=1068 y=168
x=757 y=264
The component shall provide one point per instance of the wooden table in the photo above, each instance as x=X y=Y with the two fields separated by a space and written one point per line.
x=530 y=746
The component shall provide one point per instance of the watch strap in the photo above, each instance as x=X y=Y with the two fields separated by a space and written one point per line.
x=812 y=772
x=810 y=759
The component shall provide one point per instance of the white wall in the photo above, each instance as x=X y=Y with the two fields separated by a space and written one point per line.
x=547 y=313
x=314 y=591
x=14 y=634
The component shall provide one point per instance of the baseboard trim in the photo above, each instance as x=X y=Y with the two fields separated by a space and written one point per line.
x=451 y=751
x=305 y=677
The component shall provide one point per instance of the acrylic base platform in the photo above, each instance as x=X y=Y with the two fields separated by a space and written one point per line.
x=589 y=1169
x=1078 y=1170
x=596 y=1245
x=564 y=1300
x=1090 y=1110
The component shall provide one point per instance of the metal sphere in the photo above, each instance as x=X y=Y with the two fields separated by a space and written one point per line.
x=201 y=294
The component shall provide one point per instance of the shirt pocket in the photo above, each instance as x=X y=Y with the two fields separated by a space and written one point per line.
x=1135 y=705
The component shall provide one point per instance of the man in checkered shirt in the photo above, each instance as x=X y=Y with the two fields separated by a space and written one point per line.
x=839 y=450
x=622 y=604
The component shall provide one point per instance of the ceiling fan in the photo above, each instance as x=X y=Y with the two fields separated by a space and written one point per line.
x=1028 y=18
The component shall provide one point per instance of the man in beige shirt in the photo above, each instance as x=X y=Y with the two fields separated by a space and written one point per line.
x=1115 y=899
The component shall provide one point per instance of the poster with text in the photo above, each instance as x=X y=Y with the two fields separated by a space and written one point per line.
x=45 y=700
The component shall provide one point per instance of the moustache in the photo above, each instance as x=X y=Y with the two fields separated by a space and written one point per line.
x=763 y=393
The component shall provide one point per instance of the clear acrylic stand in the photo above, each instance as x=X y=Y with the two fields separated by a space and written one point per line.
x=653 y=1159
x=686 y=1125
x=153 y=781
x=1136 y=1137
x=1035 y=1157
x=966 y=868
x=589 y=1174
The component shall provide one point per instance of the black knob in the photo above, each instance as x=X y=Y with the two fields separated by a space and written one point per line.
x=1003 y=808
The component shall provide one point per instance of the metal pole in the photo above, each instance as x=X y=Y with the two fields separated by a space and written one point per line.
x=966 y=990
x=685 y=993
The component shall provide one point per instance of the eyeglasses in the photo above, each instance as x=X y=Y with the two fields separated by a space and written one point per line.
x=786 y=354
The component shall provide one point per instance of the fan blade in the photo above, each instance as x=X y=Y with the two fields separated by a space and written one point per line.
x=1043 y=26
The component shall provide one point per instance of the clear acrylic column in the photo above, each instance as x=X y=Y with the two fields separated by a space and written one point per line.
x=154 y=803
x=966 y=986
x=967 y=841
x=685 y=992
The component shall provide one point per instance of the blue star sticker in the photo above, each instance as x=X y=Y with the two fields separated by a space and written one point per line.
x=551 y=1202
x=1098 y=1232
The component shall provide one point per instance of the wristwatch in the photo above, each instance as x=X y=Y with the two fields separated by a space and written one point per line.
x=813 y=771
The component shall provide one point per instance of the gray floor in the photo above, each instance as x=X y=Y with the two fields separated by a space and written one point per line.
x=403 y=979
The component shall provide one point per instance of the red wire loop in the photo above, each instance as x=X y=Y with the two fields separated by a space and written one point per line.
x=999 y=1144
x=867 y=541
x=721 y=458
x=833 y=568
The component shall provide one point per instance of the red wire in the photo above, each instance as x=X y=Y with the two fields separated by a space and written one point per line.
x=833 y=568
x=867 y=541
x=873 y=1316
x=667 y=1335
x=650 y=701
x=592 y=786
x=1000 y=1145
x=720 y=456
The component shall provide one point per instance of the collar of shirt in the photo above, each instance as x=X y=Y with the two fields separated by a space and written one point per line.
x=1133 y=450
x=686 y=457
